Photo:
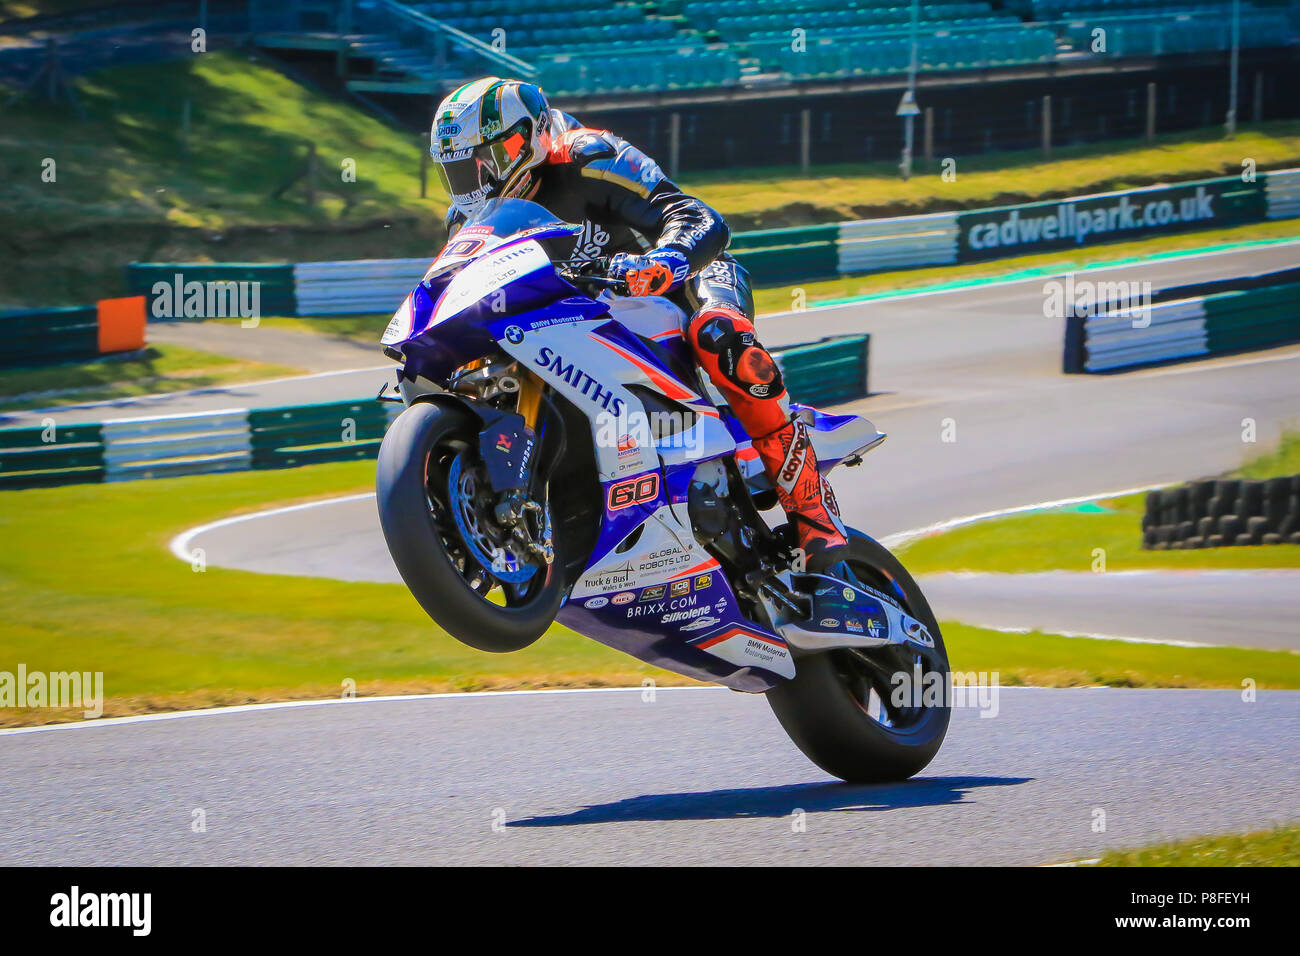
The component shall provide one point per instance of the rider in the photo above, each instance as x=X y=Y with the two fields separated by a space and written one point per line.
x=495 y=137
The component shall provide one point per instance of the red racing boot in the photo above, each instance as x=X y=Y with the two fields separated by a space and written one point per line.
x=806 y=497
x=724 y=344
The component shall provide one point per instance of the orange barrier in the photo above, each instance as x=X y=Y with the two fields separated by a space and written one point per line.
x=121 y=324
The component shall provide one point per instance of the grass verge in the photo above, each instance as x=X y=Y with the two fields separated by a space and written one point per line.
x=1050 y=660
x=87 y=584
x=152 y=370
x=1277 y=847
x=1065 y=538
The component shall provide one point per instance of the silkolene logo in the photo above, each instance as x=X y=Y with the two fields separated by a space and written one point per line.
x=1078 y=220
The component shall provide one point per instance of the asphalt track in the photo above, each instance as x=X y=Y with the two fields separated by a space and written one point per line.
x=1256 y=608
x=694 y=777
x=707 y=776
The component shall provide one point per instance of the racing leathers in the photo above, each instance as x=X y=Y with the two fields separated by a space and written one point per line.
x=666 y=242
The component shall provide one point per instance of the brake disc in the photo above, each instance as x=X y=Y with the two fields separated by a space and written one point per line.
x=490 y=546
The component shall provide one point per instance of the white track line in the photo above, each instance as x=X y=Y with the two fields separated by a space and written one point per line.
x=891 y=541
x=397 y=699
x=322 y=702
x=1102 y=637
x=180 y=545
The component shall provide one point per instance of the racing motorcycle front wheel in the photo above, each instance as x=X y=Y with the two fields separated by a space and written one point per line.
x=440 y=520
x=861 y=714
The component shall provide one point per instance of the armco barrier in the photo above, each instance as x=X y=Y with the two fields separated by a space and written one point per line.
x=171 y=445
x=1282 y=192
x=1176 y=330
x=1252 y=319
x=49 y=335
x=1224 y=512
x=236 y=439
x=52 y=455
x=1180 y=324
x=311 y=434
x=163 y=284
x=341 y=288
x=832 y=370
x=792 y=254
x=875 y=245
x=31 y=337
x=802 y=253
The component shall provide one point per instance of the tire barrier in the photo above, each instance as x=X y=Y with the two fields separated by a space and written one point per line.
x=1217 y=513
x=34 y=337
x=237 y=439
x=793 y=254
x=1251 y=312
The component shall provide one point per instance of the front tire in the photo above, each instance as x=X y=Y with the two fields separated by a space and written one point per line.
x=839 y=708
x=412 y=492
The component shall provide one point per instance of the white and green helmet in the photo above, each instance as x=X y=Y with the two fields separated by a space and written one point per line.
x=487 y=136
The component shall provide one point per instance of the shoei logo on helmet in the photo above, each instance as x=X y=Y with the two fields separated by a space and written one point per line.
x=449 y=129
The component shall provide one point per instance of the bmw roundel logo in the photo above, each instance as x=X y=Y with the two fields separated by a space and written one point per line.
x=514 y=334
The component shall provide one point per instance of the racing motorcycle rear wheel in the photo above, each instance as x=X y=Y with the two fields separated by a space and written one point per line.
x=435 y=508
x=849 y=711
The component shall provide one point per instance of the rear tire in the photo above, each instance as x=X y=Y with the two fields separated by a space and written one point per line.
x=825 y=707
x=411 y=487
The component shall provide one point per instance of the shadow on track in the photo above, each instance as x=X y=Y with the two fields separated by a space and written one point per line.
x=776 y=801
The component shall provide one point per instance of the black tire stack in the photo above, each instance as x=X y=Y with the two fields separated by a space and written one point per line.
x=1217 y=513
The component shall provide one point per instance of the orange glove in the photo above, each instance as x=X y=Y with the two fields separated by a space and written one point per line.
x=657 y=273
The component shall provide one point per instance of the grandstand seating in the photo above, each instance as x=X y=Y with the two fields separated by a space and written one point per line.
x=622 y=46
x=1142 y=31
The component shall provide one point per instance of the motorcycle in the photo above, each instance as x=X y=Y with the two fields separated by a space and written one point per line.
x=560 y=457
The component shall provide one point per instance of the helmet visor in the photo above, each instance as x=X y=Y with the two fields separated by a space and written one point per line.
x=479 y=173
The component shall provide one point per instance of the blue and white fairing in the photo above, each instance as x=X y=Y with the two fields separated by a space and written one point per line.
x=649 y=588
